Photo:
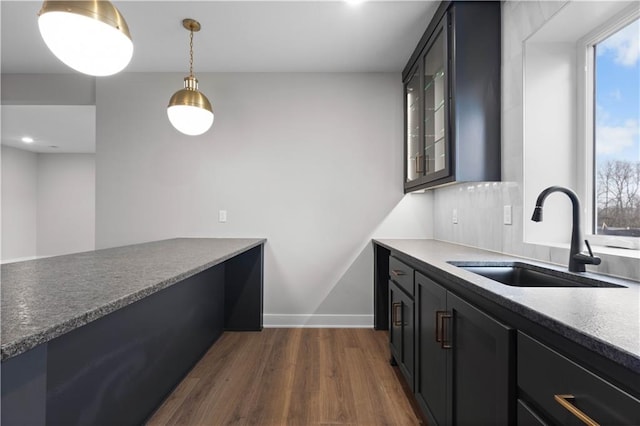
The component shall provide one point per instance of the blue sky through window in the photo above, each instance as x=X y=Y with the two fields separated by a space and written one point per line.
x=617 y=132
x=618 y=95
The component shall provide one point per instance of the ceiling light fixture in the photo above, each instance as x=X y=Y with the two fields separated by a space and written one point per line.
x=91 y=37
x=27 y=139
x=189 y=109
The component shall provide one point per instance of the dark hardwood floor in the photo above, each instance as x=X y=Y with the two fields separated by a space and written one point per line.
x=292 y=377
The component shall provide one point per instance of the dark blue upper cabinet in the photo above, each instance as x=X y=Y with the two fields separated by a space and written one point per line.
x=452 y=98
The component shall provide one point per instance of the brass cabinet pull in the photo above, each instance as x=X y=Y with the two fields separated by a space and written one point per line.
x=418 y=171
x=439 y=326
x=563 y=400
x=394 y=314
x=440 y=330
x=398 y=272
x=444 y=343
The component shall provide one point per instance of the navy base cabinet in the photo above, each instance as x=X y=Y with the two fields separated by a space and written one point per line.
x=119 y=368
x=116 y=369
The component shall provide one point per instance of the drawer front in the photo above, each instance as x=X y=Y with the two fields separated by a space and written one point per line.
x=527 y=416
x=401 y=274
x=564 y=390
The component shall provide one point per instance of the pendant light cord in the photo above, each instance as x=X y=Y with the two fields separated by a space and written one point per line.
x=191 y=53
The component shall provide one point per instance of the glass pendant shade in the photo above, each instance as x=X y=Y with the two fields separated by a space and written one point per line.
x=189 y=109
x=91 y=37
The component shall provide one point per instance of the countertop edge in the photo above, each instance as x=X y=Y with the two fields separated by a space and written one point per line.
x=584 y=339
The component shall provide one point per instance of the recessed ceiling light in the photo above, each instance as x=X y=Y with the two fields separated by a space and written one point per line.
x=27 y=139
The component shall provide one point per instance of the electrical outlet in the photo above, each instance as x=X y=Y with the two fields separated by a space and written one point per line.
x=506 y=215
x=222 y=216
x=454 y=216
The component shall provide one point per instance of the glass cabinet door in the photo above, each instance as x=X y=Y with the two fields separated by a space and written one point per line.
x=435 y=108
x=413 y=137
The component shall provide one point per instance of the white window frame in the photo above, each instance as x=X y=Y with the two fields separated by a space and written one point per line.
x=585 y=120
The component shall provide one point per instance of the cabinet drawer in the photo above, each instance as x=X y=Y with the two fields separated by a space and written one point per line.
x=401 y=274
x=527 y=416
x=545 y=378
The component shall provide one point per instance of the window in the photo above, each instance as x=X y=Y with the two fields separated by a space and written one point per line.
x=581 y=109
x=616 y=139
x=611 y=123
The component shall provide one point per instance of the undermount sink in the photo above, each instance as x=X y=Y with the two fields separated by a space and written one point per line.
x=519 y=274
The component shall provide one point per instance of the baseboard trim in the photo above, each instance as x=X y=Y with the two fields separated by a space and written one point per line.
x=19 y=259
x=317 y=321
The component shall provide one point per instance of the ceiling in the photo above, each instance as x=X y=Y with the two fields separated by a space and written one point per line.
x=54 y=128
x=241 y=36
x=236 y=36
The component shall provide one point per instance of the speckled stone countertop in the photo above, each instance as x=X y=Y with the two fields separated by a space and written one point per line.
x=45 y=298
x=605 y=320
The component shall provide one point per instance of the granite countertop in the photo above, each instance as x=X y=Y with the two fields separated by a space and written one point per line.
x=605 y=320
x=45 y=298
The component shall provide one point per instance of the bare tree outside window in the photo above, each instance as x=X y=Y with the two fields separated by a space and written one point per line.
x=617 y=135
x=618 y=210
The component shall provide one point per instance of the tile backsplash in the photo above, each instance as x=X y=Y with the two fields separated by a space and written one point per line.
x=479 y=208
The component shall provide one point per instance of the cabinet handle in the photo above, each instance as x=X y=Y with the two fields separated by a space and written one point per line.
x=440 y=330
x=563 y=400
x=444 y=343
x=439 y=325
x=418 y=171
x=394 y=314
x=398 y=272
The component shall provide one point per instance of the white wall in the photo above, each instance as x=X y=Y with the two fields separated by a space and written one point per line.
x=549 y=135
x=19 y=203
x=312 y=162
x=66 y=203
x=48 y=89
x=48 y=204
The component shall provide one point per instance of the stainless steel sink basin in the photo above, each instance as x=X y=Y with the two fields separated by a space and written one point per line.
x=520 y=274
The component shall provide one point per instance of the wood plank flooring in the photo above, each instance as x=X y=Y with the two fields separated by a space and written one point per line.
x=298 y=377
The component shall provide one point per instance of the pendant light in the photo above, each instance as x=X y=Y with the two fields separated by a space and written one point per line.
x=91 y=37
x=189 y=109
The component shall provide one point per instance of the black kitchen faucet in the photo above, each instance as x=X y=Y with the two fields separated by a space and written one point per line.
x=577 y=260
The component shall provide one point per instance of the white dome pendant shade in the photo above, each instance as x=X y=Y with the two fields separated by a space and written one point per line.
x=189 y=110
x=91 y=37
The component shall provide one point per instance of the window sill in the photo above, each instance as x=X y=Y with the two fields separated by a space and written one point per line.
x=597 y=249
x=615 y=242
x=615 y=251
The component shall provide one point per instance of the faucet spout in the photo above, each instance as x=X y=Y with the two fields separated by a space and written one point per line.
x=577 y=260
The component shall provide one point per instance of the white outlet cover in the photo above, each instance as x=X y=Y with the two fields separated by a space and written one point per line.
x=222 y=216
x=506 y=215
x=454 y=216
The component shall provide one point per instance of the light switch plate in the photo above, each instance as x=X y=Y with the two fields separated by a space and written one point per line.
x=506 y=215
x=454 y=216
x=222 y=216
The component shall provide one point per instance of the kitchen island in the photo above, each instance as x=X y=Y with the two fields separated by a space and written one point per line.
x=102 y=337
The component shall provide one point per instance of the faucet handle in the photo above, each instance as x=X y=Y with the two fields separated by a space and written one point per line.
x=589 y=247
x=587 y=260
